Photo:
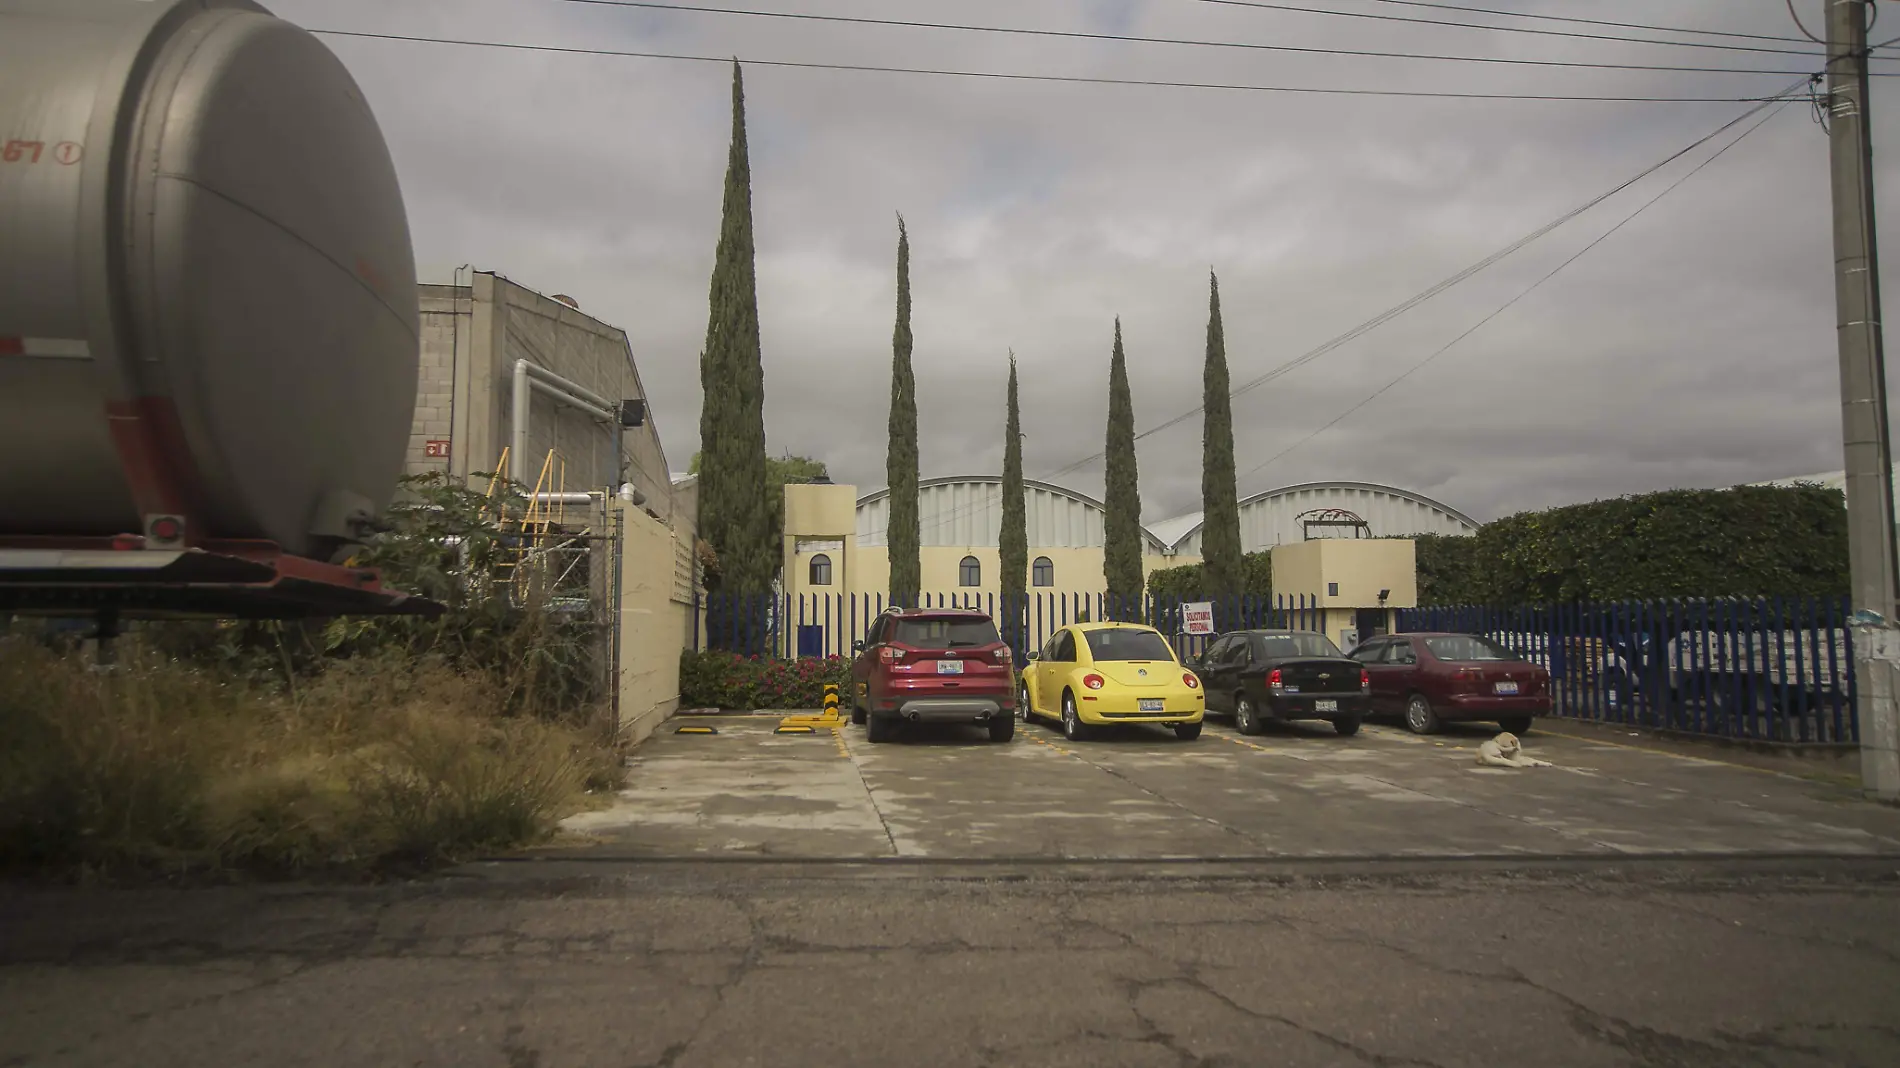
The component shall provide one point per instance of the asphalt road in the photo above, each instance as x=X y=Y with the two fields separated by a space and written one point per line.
x=1297 y=899
x=719 y=964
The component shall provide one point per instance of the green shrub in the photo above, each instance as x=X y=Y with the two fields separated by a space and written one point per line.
x=1188 y=582
x=718 y=679
x=1750 y=541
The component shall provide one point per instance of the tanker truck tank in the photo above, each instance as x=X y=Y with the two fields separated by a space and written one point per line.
x=208 y=308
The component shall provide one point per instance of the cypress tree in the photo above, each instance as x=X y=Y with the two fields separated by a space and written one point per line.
x=1220 y=503
x=1121 y=553
x=900 y=457
x=735 y=511
x=1013 y=543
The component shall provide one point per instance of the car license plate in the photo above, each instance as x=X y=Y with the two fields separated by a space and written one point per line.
x=1507 y=687
x=949 y=667
x=1325 y=706
x=1153 y=704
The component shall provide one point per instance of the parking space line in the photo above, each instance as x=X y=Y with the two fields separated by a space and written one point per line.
x=1050 y=745
x=837 y=735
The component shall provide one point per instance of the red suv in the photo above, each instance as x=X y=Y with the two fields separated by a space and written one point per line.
x=933 y=665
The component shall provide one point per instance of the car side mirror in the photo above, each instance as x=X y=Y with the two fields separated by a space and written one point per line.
x=1035 y=656
x=857 y=646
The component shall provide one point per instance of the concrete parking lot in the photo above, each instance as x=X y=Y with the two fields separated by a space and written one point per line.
x=1297 y=899
x=1141 y=794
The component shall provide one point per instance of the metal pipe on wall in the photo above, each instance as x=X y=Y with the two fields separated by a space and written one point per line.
x=530 y=377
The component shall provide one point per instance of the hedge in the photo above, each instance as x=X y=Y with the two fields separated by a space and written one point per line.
x=717 y=679
x=1187 y=582
x=1750 y=541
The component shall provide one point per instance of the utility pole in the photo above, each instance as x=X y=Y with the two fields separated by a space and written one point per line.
x=1868 y=455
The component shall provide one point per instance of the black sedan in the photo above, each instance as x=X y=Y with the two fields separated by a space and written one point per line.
x=1260 y=676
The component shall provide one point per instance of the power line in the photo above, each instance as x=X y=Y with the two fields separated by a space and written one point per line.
x=1573 y=34
x=1071 y=79
x=1401 y=308
x=1581 y=21
x=802 y=16
x=1507 y=305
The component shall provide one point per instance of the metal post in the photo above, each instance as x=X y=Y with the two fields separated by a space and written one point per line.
x=1868 y=455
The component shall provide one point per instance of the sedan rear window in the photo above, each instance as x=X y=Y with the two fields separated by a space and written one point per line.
x=1127 y=645
x=1460 y=648
x=1280 y=646
x=959 y=632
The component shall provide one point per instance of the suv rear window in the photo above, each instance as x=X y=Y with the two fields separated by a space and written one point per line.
x=957 y=632
x=1127 y=645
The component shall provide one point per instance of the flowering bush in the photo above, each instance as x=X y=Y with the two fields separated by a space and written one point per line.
x=716 y=679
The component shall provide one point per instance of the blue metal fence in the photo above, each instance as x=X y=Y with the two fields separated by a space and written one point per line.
x=1768 y=669
x=822 y=625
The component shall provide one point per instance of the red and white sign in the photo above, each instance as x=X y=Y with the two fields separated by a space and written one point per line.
x=1198 y=617
x=436 y=450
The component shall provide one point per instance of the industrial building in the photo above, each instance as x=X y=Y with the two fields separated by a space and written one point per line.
x=835 y=543
x=507 y=368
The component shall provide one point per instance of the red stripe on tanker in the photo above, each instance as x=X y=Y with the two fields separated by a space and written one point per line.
x=54 y=348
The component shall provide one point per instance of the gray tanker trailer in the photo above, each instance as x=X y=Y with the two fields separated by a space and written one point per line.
x=208 y=310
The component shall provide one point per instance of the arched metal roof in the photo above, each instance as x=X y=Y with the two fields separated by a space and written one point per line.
x=974 y=518
x=1185 y=530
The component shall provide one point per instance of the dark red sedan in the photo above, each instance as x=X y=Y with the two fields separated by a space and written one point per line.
x=1431 y=679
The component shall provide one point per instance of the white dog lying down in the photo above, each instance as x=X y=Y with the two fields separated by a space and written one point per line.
x=1505 y=751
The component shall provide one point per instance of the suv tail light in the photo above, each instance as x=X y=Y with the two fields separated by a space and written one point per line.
x=1365 y=679
x=892 y=655
x=1275 y=679
x=1005 y=655
x=1094 y=682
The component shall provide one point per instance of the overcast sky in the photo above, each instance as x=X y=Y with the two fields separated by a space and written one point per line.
x=1693 y=348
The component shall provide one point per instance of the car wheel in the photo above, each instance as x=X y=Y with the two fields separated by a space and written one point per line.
x=1072 y=726
x=881 y=729
x=1187 y=732
x=858 y=714
x=1022 y=704
x=1245 y=718
x=1518 y=725
x=1002 y=728
x=1419 y=717
x=1347 y=726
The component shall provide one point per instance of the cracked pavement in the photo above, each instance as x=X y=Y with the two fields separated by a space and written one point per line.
x=1290 y=900
x=693 y=963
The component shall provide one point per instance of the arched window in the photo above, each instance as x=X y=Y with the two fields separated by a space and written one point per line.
x=1042 y=572
x=970 y=572
x=821 y=570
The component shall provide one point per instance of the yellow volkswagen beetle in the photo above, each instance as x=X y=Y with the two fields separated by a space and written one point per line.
x=1093 y=674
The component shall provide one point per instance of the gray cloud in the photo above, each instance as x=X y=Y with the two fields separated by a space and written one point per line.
x=1694 y=348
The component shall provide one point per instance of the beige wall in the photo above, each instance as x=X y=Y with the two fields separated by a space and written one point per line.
x=830 y=512
x=655 y=621
x=821 y=519
x=1361 y=567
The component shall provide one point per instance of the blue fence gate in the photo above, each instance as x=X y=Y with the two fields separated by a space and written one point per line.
x=1767 y=669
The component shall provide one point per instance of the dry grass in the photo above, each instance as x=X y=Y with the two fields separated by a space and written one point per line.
x=161 y=768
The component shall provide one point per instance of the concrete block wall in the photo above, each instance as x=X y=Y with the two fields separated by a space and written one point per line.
x=654 y=624
x=435 y=384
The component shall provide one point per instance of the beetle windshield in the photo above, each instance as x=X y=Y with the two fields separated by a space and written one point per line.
x=1127 y=645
